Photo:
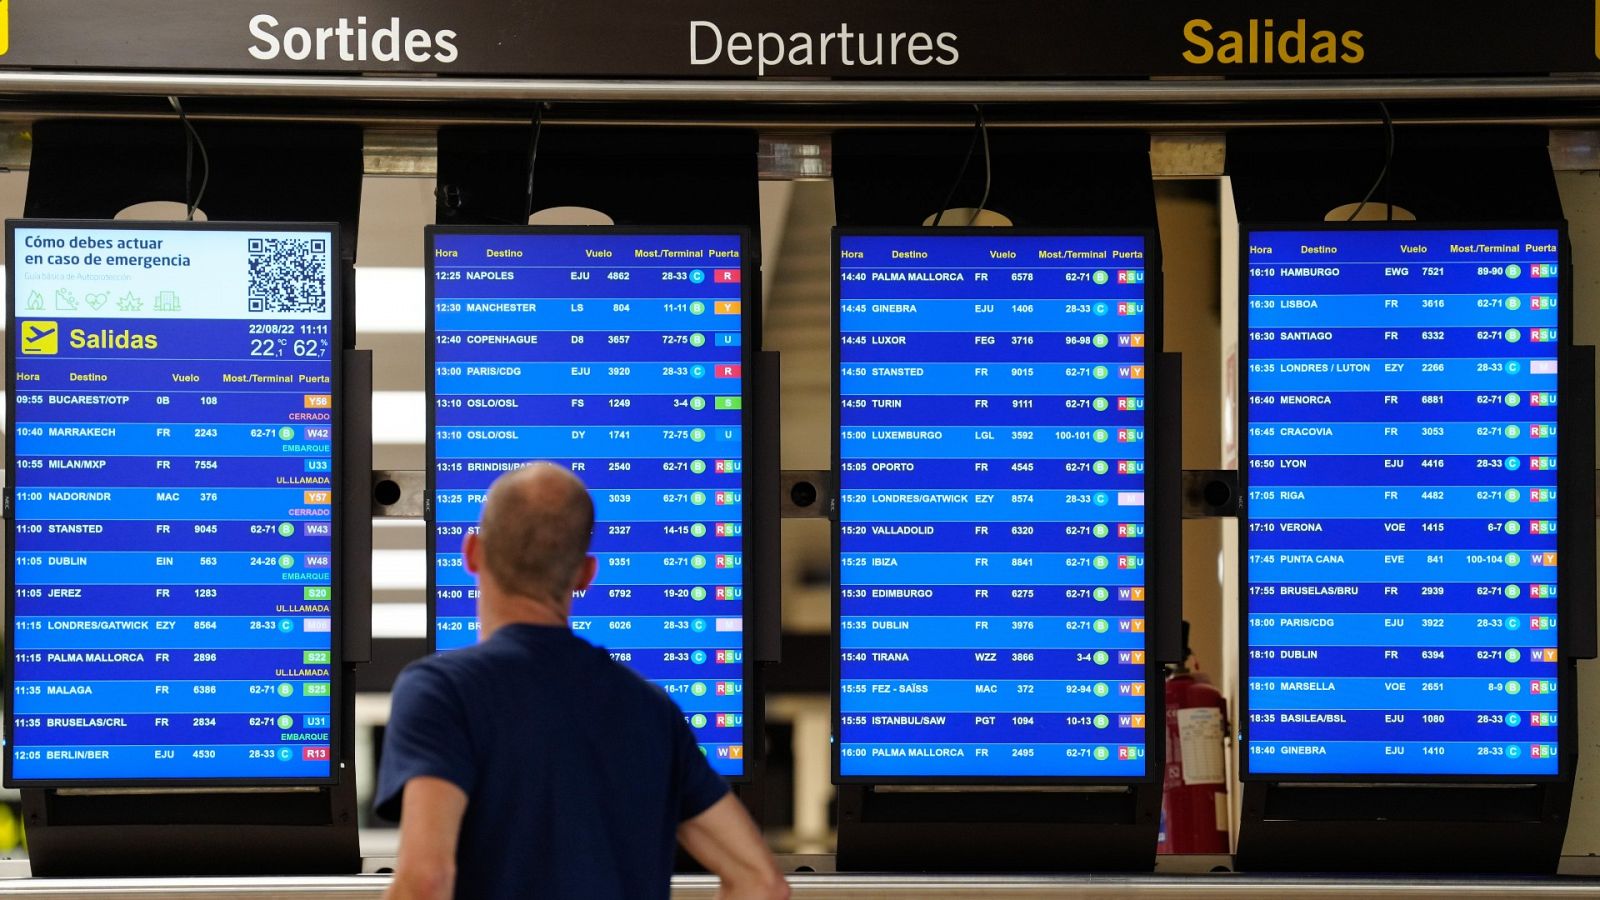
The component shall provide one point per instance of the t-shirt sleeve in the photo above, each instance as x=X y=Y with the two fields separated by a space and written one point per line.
x=426 y=735
x=698 y=785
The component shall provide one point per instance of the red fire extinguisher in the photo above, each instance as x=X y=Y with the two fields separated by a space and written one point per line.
x=1194 y=798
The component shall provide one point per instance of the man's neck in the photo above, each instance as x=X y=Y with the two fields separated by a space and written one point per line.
x=498 y=611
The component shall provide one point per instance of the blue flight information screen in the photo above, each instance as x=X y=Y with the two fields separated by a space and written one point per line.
x=171 y=461
x=1401 y=477
x=991 y=458
x=621 y=356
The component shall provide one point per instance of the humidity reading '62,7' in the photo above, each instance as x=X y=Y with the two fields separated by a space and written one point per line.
x=991 y=454
x=172 y=465
x=620 y=356
x=1401 y=474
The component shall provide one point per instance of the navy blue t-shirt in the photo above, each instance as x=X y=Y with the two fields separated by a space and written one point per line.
x=577 y=771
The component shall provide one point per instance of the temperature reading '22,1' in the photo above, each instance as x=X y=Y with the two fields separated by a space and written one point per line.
x=300 y=348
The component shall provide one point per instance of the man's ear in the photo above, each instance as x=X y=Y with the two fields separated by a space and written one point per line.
x=586 y=573
x=472 y=551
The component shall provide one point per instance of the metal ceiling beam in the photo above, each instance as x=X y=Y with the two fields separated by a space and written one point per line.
x=792 y=156
x=415 y=88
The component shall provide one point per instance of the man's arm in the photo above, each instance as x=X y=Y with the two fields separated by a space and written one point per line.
x=430 y=826
x=727 y=842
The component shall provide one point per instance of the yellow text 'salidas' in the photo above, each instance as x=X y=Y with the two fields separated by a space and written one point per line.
x=107 y=339
x=1263 y=42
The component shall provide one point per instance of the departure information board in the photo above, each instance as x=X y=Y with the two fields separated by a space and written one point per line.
x=1400 y=471
x=619 y=355
x=991 y=538
x=172 y=463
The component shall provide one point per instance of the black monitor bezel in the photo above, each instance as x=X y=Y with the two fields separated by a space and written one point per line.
x=336 y=321
x=1154 y=671
x=751 y=327
x=1567 y=556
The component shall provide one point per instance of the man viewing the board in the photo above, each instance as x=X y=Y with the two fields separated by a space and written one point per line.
x=533 y=765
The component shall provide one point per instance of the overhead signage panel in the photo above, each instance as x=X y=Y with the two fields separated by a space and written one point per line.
x=1061 y=39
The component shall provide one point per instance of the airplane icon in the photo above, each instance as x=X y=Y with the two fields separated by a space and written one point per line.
x=39 y=338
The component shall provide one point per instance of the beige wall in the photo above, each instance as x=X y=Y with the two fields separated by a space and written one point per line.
x=1190 y=251
x=1580 y=199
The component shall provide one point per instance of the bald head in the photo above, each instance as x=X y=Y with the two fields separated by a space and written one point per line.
x=535 y=532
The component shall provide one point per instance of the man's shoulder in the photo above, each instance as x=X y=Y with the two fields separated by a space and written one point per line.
x=561 y=653
x=547 y=661
x=435 y=670
x=455 y=668
x=622 y=681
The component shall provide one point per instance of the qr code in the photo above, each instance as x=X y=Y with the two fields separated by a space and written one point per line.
x=288 y=275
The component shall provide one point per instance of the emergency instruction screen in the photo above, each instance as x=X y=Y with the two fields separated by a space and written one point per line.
x=991 y=458
x=1401 y=474
x=620 y=356
x=172 y=465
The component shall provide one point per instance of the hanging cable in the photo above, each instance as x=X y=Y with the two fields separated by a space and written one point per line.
x=1383 y=174
x=453 y=198
x=988 y=169
x=980 y=131
x=533 y=158
x=192 y=142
